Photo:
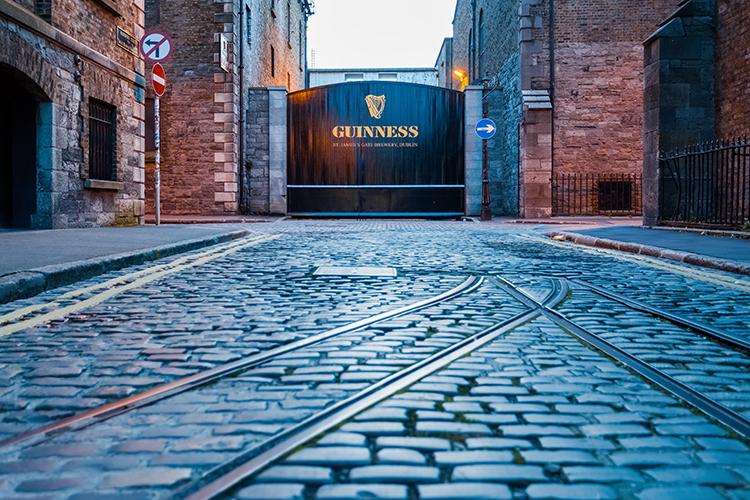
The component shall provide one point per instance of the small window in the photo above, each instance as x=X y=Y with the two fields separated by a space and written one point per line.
x=43 y=9
x=388 y=76
x=301 y=46
x=273 y=63
x=289 y=24
x=102 y=141
x=249 y=34
x=354 y=77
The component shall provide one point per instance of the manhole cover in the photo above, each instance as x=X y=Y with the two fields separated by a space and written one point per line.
x=388 y=272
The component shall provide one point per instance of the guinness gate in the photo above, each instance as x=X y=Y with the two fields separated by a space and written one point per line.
x=376 y=149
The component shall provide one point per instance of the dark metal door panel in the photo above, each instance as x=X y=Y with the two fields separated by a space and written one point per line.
x=343 y=158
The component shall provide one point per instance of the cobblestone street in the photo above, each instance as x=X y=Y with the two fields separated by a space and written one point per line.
x=504 y=401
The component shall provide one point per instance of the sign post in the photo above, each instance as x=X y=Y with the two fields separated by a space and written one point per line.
x=156 y=46
x=159 y=80
x=485 y=130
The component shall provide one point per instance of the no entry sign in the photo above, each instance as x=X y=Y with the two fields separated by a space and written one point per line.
x=159 y=79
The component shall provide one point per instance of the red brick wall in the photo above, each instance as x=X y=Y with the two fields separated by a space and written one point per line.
x=599 y=83
x=732 y=62
x=91 y=24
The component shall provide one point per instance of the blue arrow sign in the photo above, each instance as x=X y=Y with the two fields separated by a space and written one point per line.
x=485 y=128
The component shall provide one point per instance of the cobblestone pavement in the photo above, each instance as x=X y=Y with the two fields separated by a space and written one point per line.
x=535 y=414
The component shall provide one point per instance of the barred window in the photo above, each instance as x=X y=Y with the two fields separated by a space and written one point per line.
x=43 y=9
x=102 y=141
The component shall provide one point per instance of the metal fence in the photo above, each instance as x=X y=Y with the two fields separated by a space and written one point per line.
x=597 y=194
x=706 y=184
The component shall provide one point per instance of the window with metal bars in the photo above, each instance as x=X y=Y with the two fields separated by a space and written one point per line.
x=102 y=141
x=43 y=9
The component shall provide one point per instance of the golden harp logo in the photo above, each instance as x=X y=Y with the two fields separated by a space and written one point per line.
x=376 y=105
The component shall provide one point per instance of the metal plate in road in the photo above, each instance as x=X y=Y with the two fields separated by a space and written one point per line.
x=387 y=272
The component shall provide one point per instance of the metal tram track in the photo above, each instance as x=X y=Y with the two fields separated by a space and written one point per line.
x=230 y=474
x=691 y=396
x=160 y=393
x=732 y=341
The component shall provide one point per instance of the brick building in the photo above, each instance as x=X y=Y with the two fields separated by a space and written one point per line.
x=71 y=113
x=215 y=121
x=697 y=84
x=563 y=80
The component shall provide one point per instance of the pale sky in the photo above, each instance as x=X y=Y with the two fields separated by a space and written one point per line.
x=378 y=33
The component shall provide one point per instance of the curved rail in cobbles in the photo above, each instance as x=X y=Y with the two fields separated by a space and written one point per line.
x=230 y=474
x=505 y=427
x=694 y=397
x=708 y=331
x=165 y=391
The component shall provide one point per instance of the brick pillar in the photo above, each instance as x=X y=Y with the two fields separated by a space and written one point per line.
x=472 y=150
x=277 y=149
x=535 y=162
x=226 y=95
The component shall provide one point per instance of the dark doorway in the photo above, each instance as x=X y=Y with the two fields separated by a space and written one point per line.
x=377 y=149
x=18 y=125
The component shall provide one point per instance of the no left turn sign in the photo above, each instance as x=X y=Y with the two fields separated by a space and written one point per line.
x=156 y=46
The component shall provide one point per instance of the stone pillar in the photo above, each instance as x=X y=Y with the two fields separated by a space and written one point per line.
x=277 y=103
x=472 y=150
x=679 y=94
x=535 y=156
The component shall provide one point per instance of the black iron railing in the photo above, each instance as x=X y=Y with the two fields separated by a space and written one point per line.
x=706 y=184
x=596 y=194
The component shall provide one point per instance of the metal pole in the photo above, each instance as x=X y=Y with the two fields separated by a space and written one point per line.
x=157 y=159
x=486 y=213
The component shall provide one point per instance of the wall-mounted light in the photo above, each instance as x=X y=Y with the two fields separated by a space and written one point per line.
x=464 y=79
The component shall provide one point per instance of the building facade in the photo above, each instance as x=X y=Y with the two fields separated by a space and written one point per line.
x=423 y=76
x=71 y=113
x=563 y=80
x=697 y=84
x=215 y=117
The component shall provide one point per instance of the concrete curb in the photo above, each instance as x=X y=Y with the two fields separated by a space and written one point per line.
x=32 y=282
x=651 y=251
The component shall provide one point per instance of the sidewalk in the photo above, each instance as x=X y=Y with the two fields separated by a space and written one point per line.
x=35 y=261
x=723 y=250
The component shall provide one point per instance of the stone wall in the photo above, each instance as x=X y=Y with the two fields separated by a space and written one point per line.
x=68 y=67
x=598 y=83
x=202 y=171
x=280 y=25
x=679 y=91
x=732 y=63
x=256 y=180
x=598 y=108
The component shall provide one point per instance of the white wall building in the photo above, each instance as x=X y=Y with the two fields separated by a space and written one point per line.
x=424 y=76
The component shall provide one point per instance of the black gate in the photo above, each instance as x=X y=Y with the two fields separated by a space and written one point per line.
x=376 y=149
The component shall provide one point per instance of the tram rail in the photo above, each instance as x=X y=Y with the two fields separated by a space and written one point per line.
x=160 y=393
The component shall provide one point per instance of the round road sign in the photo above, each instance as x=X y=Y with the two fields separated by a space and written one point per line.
x=156 y=46
x=159 y=79
x=485 y=128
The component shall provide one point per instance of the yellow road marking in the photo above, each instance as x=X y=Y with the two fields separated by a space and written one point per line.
x=19 y=313
x=141 y=278
x=697 y=274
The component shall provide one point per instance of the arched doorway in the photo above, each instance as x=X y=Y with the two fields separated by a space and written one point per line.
x=19 y=103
